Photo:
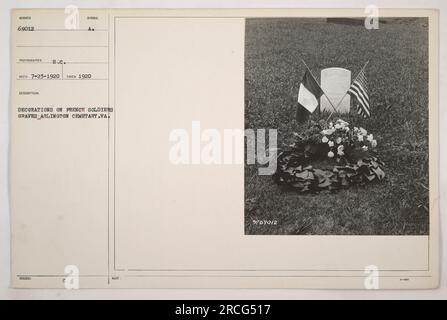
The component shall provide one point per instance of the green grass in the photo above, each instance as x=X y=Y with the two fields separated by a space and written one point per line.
x=398 y=83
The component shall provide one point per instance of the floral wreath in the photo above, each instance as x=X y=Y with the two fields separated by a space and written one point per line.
x=353 y=150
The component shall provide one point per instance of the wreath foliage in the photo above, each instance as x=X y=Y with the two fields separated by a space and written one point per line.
x=327 y=156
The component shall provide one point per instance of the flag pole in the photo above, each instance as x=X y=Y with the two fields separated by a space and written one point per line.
x=348 y=90
x=324 y=93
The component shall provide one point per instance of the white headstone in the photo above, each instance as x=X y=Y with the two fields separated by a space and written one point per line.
x=335 y=82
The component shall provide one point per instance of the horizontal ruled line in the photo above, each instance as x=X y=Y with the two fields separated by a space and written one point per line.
x=87 y=62
x=56 y=276
x=30 y=62
x=72 y=30
x=229 y=276
x=66 y=46
x=66 y=79
x=66 y=62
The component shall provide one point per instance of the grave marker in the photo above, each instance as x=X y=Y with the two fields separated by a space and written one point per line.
x=335 y=82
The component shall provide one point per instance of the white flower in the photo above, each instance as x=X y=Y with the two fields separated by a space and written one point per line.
x=370 y=137
x=337 y=126
x=331 y=143
x=330 y=154
x=331 y=124
x=360 y=137
x=365 y=148
x=341 y=148
x=363 y=132
x=340 y=153
x=328 y=132
x=356 y=129
x=346 y=129
x=325 y=139
x=374 y=143
x=338 y=140
x=342 y=122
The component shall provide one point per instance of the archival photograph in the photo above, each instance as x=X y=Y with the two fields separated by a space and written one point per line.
x=347 y=102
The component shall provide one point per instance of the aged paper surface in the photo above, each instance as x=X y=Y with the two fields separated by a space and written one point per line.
x=95 y=195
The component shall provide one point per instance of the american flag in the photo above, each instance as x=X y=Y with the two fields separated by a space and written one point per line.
x=359 y=91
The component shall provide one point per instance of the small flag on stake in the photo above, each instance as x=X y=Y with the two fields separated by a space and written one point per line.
x=359 y=91
x=309 y=93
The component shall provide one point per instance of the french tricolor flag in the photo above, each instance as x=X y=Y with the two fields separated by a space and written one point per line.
x=309 y=93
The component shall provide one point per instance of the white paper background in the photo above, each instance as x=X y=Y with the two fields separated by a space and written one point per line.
x=6 y=293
